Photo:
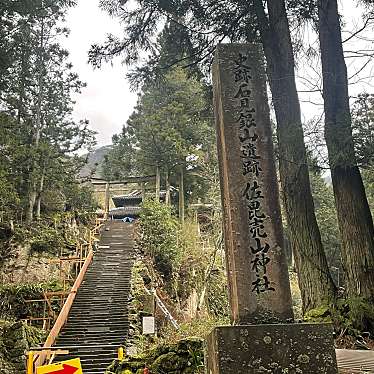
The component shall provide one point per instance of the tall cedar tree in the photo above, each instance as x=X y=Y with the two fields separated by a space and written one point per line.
x=315 y=281
x=36 y=85
x=354 y=217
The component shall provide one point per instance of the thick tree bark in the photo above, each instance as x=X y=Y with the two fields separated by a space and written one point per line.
x=354 y=217
x=316 y=285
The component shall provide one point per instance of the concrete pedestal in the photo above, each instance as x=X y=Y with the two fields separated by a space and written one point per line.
x=271 y=349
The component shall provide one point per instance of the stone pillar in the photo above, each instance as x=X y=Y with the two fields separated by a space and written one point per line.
x=257 y=266
x=265 y=339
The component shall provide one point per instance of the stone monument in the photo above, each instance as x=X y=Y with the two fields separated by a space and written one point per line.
x=264 y=338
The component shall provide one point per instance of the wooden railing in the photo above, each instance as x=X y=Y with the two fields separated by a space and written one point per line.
x=42 y=357
x=64 y=313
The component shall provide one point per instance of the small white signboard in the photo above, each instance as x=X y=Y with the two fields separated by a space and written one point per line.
x=148 y=325
x=131 y=351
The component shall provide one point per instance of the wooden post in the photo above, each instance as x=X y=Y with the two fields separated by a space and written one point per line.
x=107 y=199
x=181 y=194
x=30 y=363
x=143 y=191
x=120 y=354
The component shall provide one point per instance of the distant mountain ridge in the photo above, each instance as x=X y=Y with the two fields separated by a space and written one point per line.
x=95 y=159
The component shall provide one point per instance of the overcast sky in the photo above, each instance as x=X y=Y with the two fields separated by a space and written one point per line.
x=107 y=100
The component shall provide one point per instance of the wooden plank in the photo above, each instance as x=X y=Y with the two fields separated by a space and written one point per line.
x=65 y=259
x=57 y=293
x=40 y=349
x=355 y=361
x=37 y=318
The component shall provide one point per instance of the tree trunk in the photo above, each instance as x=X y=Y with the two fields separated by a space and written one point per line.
x=39 y=196
x=31 y=203
x=181 y=195
x=316 y=285
x=167 y=188
x=158 y=183
x=354 y=217
x=32 y=193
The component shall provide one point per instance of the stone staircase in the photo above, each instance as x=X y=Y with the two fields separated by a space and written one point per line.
x=98 y=323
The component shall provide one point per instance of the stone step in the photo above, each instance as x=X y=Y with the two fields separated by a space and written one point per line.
x=98 y=321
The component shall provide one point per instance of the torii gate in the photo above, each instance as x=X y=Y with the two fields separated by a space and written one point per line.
x=133 y=179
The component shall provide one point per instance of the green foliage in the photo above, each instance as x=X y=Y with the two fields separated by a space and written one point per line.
x=119 y=161
x=158 y=236
x=198 y=27
x=199 y=327
x=9 y=198
x=170 y=129
x=217 y=295
x=354 y=316
x=326 y=215
x=363 y=125
x=13 y=298
x=49 y=235
x=80 y=198
x=48 y=239
x=38 y=136
x=189 y=273
x=350 y=316
x=368 y=178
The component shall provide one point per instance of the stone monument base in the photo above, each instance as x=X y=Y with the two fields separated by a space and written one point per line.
x=272 y=349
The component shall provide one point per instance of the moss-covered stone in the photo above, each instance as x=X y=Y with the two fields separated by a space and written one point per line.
x=184 y=357
x=321 y=314
x=15 y=340
x=169 y=362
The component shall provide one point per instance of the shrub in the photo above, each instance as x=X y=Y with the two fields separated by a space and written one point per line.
x=158 y=236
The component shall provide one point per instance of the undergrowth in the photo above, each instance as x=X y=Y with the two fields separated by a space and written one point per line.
x=13 y=297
